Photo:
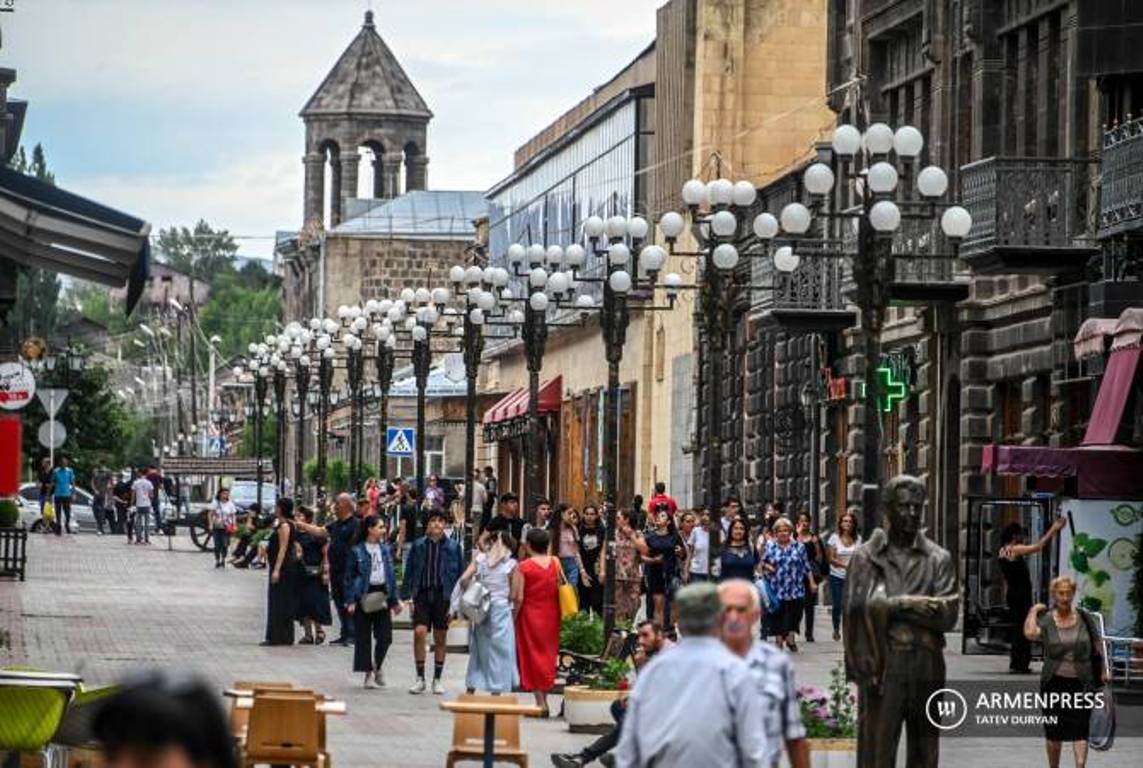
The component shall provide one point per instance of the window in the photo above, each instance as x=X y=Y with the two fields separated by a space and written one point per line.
x=434 y=454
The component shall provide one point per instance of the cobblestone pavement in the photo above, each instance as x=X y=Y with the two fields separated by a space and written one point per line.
x=102 y=608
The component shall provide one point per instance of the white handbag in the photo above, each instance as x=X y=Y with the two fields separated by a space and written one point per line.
x=475 y=601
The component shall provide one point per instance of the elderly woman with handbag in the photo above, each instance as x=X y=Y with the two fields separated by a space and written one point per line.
x=492 y=590
x=370 y=598
x=1073 y=665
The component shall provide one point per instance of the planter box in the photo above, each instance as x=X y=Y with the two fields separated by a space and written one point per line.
x=13 y=552
x=830 y=753
x=589 y=711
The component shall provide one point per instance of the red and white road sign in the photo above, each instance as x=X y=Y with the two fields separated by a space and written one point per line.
x=17 y=386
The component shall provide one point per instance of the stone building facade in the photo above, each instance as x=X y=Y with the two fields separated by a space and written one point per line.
x=1027 y=104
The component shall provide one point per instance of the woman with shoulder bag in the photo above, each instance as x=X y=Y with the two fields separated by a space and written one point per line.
x=313 y=607
x=223 y=518
x=1073 y=664
x=371 y=598
x=492 y=643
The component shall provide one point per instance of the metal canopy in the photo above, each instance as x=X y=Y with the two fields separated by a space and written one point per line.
x=47 y=227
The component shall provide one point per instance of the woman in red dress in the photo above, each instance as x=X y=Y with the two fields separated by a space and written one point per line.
x=538 y=619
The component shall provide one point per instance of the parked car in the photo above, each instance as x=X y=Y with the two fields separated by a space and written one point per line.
x=244 y=494
x=82 y=512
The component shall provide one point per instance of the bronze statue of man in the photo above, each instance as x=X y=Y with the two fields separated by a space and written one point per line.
x=901 y=597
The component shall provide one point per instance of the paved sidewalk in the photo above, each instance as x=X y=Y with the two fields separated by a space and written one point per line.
x=102 y=608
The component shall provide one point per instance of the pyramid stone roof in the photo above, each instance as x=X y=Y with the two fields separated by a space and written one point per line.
x=367 y=80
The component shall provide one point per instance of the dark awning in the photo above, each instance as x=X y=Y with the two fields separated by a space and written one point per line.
x=1101 y=472
x=47 y=227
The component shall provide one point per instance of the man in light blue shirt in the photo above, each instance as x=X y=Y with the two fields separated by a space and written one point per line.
x=695 y=704
x=62 y=479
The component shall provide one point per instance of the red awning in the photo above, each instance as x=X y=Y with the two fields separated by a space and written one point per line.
x=1114 y=390
x=1038 y=461
x=515 y=404
x=1101 y=472
x=496 y=412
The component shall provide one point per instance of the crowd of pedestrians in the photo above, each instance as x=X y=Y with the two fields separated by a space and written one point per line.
x=730 y=594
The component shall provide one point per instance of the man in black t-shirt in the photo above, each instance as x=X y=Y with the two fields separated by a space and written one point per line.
x=592 y=535
x=341 y=532
x=490 y=487
x=508 y=518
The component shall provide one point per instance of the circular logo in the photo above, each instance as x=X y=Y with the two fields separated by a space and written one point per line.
x=946 y=708
x=17 y=386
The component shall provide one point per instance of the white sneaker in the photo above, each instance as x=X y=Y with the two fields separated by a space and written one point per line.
x=438 y=687
x=368 y=681
x=379 y=678
x=419 y=686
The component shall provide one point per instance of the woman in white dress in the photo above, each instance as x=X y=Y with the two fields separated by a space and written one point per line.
x=492 y=642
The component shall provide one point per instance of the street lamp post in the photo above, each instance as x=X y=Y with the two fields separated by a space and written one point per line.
x=280 y=437
x=385 y=360
x=535 y=333
x=870 y=164
x=473 y=349
x=260 y=373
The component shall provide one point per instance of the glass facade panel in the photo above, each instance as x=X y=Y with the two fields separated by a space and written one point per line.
x=595 y=174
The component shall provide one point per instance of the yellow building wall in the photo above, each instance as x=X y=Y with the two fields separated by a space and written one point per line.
x=760 y=74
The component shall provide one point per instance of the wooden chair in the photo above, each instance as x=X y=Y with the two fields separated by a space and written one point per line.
x=468 y=734
x=284 y=729
x=240 y=718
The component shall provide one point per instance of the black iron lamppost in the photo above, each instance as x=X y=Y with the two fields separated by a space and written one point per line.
x=870 y=165
x=259 y=369
x=279 y=382
x=354 y=374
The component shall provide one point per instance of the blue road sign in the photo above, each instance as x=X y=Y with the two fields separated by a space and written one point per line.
x=401 y=441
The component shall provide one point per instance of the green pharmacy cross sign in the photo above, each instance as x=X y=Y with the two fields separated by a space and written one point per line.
x=892 y=389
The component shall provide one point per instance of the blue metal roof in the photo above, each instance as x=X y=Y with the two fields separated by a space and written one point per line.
x=427 y=214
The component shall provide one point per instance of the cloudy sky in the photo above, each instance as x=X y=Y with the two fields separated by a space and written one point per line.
x=179 y=109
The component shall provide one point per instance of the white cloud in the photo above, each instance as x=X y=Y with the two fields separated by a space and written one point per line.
x=250 y=199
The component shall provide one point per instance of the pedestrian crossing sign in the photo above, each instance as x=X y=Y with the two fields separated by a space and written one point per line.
x=400 y=441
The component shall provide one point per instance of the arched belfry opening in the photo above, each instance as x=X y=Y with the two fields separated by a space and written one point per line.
x=366 y=110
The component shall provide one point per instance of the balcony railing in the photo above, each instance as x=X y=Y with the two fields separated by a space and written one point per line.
x=1025 y=203
x=1121 y=191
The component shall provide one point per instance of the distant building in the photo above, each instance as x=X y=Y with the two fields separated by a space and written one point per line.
x=163 y=284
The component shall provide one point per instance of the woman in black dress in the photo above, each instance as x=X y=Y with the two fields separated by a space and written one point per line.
x=313 y=606
x=815 y=551
x=284 y=567
x=1018 y=593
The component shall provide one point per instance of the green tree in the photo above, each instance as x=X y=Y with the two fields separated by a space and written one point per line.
x=238 y=314
x=100 y=429
x=202 y=251
x=246 y=447
x=36 y=310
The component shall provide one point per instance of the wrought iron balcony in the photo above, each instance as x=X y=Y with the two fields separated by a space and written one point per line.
x=811 y=298
x=1121 y=190
x=924 y=271
x=1029 y=215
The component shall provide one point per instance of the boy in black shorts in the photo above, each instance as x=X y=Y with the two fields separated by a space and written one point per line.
x=431 y=572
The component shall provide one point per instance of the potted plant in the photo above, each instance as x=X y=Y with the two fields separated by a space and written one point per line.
x=9 y=513
x=830 y=718
x=587 y=708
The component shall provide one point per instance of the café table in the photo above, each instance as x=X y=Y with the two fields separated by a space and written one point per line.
x=490 y=709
